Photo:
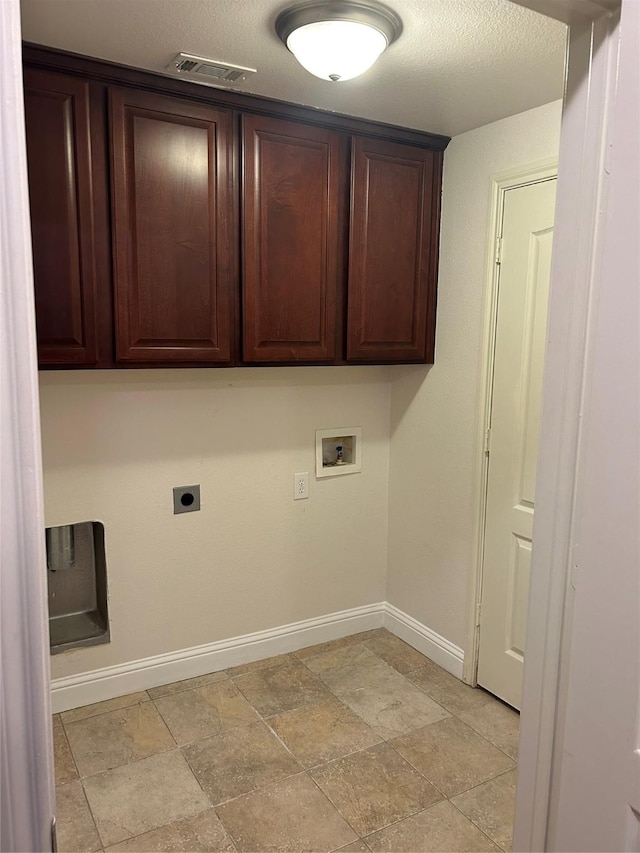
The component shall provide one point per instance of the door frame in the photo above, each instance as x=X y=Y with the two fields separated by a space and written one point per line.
x=26 y=737
x=531 y=173
x=576 y=280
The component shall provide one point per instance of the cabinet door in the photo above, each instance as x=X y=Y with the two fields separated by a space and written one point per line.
x=62 y=222
x=172 y=211
x=395 y=194
x=291 y=250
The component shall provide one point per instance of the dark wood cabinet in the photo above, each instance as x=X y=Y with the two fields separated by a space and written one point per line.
x=57 y=113
x=293 y=245
x=172 y=229
x=395 y=195
x=177 y=224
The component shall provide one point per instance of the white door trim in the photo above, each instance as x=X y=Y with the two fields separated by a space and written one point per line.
x=532 y=173
x=580 y=217
x=26 y=753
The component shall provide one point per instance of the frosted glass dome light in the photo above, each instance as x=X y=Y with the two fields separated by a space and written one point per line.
x=336 y=50
x=337 y=39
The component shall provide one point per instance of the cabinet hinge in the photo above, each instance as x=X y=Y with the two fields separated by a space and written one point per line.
x=487 y=441
x=498 y=250
x=478 y=614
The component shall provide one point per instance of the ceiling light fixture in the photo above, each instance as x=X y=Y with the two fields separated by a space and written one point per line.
x=338 y=39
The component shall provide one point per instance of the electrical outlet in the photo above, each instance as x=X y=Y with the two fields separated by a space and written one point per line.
x=300 y=486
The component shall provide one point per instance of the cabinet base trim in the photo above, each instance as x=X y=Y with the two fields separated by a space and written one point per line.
x=97 y=685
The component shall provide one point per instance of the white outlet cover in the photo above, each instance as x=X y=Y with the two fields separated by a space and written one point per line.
x=301 y=486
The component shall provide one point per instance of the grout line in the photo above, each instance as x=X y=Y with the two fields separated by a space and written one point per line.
x=91 y=814
x=396 y=822
x=258 y=788
x=161 y=826
x=276 y=663
x=343 y=816
x=282 y=743
x=495 y=745
x=486 y=782
x=486 y=834
x=490 y=742
x=73 y=758
x=329 y=761
x=420 y=772
x=219 y=733
x=128 y=763
x=102 y=713
x=165 y=723
x=187 y=689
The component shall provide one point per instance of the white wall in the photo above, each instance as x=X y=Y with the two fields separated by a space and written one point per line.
x=434 y=411
x=115 y=444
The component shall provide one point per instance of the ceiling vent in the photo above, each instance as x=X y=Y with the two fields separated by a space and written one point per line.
x=208 y=70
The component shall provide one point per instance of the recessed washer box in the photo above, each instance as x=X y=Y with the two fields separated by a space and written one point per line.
x=338 y=451
x=77 y=583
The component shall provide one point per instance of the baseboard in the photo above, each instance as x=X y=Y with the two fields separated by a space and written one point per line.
x=109 y=682
x=88 y=687
x=434 y=646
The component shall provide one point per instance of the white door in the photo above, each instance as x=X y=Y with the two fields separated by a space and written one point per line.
x=525 y=264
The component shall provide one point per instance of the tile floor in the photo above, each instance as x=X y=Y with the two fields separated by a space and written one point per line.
x=361 y=744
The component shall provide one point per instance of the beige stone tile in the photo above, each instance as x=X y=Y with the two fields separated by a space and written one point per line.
x=252 y=666
x=491 y=807
x=448 y=690
x=75 y=828
x=239 y=761
x=205 y=712
x=56 y=721
x=288 y=816
x=282 y=688
x=439 y=829
x=452 y=756
x=331 y=645
x=396 y=652
x=356 y=847
x=204 y=832
x=498 y=723
x=363 y=636
x=320 y=733
x=374 y=788
x=394 y=706
x=104 y=707
x=109 y=740
x=187 y=684
x=64 y=765
x=349 y=667
x=138 y=797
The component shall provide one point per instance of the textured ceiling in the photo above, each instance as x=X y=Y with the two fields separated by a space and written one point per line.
x=458 y=64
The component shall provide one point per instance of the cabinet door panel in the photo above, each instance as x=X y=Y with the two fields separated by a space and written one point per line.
x=61 y=202
x=393 y=251
x=291 y=240
x=172 y=229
